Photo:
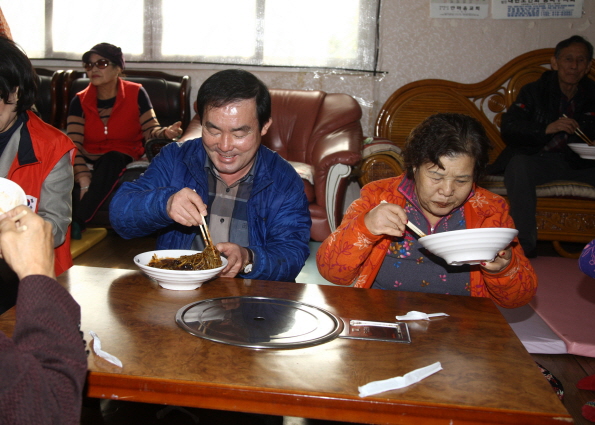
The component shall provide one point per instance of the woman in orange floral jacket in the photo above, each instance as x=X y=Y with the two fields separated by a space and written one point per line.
x=444 y=158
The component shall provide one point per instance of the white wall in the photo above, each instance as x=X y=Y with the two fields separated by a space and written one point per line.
x=413 y=47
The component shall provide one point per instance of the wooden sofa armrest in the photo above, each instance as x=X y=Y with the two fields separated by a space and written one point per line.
x=381 y=159
x=381 y=166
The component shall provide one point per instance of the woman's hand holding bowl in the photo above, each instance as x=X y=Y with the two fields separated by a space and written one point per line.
x=500 y=262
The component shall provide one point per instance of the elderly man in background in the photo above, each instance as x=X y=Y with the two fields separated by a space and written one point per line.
x=537 y=129
x=252 y=199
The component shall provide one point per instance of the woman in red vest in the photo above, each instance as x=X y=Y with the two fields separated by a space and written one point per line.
x=109 y=122
x=35 y=155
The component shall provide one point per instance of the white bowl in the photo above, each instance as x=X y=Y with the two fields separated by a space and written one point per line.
x=11 y=195
x=177 y=280
x=469 y=246
x=583 y=150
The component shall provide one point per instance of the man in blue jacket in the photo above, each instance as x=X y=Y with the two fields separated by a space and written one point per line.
x=252 y=199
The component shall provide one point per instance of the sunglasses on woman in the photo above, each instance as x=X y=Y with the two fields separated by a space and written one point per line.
x=100 y=64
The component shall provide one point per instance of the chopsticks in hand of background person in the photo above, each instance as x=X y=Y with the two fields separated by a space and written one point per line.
x=582 y=135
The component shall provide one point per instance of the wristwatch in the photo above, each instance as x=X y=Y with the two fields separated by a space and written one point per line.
x=248 y=265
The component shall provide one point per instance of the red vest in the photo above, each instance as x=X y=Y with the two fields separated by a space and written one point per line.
x=48 y=145
x=124 y=132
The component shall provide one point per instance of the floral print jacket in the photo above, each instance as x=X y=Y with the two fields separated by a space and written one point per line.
x=352 y=254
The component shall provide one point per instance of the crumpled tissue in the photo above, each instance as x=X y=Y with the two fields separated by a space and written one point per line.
x=418 y=315
x=104 y=355
x=412 y=377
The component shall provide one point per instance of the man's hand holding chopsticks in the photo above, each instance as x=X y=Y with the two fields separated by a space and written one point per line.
x=568 y=125
x=186 y=207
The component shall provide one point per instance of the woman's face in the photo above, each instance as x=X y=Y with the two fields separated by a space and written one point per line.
x=439 y=191
x=104 y=76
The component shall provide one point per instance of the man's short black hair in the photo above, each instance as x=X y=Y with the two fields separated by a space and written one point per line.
x=232 y=85
x=572 y=40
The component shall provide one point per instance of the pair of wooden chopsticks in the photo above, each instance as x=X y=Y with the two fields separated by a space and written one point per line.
x=412 y=226
x=582 y=135
x=205 y=233
x=415 y=229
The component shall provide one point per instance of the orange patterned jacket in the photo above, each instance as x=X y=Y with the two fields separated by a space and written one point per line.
x=352 y=254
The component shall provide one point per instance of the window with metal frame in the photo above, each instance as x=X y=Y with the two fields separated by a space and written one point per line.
x=338 y=34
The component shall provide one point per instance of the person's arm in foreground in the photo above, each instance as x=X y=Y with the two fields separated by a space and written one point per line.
x=44 y=364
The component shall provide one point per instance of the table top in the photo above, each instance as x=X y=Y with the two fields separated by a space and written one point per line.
x=487 y=376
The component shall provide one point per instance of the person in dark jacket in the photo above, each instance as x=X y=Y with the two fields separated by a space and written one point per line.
x=253 y=200
x=537 y=129
x=44 y=365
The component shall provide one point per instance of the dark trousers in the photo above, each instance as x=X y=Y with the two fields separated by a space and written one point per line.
x=106 y=171
x=521 y=177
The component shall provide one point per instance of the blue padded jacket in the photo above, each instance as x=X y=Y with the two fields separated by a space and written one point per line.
x=278 y=215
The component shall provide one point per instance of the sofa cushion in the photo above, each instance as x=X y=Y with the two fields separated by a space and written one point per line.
x=557 y=188
x=305 y=171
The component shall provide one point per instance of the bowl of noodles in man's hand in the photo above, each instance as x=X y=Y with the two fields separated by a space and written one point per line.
x=181 y=269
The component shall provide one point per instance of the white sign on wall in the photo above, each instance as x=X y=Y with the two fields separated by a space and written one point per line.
x=464 y=9
x=536 y=9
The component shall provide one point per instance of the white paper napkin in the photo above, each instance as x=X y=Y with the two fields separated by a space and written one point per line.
x=97 y=349
x=418 y=315
x=412 y=377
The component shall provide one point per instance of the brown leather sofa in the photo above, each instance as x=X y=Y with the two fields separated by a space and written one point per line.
x=322 y=130
x=49 y=93
x=321 y=135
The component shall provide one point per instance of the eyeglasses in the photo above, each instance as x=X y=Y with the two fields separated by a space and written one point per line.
x=100 y=64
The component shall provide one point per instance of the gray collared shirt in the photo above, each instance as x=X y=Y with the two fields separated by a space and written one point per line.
x=227 y=208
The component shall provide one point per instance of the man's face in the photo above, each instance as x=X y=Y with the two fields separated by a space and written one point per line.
x=231 y=137
x=572 y=64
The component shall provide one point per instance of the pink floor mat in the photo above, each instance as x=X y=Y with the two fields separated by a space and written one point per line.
x=565 y=300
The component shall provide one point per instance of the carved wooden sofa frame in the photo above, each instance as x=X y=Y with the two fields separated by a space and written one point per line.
x=566 y=218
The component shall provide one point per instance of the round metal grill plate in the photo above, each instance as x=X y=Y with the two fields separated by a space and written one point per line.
x=259 y=322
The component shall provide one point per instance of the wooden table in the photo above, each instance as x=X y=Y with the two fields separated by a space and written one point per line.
x=488 y=376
